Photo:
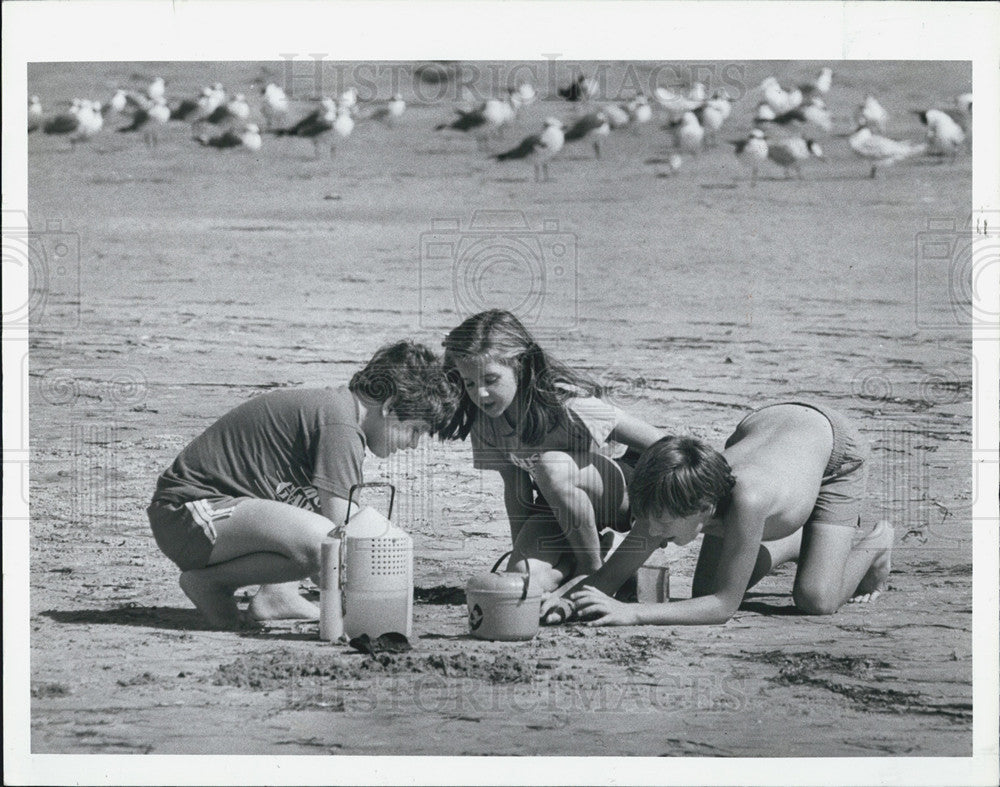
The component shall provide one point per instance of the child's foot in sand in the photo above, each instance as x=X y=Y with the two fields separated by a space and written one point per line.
x=875 y=582
x=282 y=602
x=216 y=604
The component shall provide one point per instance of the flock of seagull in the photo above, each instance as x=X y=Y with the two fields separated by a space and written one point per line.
x=785 y=123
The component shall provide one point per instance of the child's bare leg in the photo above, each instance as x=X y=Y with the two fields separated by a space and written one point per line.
x=263 y=543
x=771 y=555
x=876 y=580
x=542 y=551
x=577 y=492
x=832 y=568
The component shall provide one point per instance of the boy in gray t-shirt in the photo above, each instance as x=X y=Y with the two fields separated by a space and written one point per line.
x=250 y=500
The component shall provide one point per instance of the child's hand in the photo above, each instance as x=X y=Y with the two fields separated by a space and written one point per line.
x=601 y=609
x=555 y=610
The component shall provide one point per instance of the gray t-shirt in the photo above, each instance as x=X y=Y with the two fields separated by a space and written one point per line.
x=282 y=445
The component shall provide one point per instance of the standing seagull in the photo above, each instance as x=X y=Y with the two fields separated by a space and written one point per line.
x=944 y=134
x=882 y=151
x=593 y=126
x=688 y=134
x=81 y=123
x=539 y=148
x=873 y=114
x=752 y=152
x=157 y=89
x=389 y=112
x=317 y=126
x=149 y=120
x=790 y=153
x=275 y=107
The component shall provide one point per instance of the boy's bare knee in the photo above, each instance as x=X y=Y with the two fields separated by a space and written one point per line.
x=814 y=602
x=307 y=556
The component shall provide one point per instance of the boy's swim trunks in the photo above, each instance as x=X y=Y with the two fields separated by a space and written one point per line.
x=185 y=532
x=842 y=489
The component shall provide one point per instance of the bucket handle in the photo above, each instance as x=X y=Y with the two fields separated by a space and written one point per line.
x=350 y=496
x=527 y=577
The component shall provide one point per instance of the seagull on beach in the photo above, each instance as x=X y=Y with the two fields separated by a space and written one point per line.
x=275 y=106
x=489 y=117
x=581 y=89
x=389 y=112
x=675 y=104
x=149 y=121
x=752 y=152
x=540 y=148
x=34 y=113
x=248 y=138
x=81 y=123
x=944 y=135
x=873 y=114
x=316 y=126
x=820 y=85
x=639 y=110
x=688 y=134
x=790 y=153
x=779 y=99
x=157 y=89
x=593 y=126
x=882 y=151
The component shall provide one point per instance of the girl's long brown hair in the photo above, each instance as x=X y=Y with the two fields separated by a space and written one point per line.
x=543 y=383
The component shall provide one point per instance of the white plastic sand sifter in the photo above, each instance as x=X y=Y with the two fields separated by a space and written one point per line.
x=367 y=575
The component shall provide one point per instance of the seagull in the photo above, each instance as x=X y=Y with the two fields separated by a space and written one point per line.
x=813 y=110
x=539 y=148
x=490 y=116
x=275 y=106
x=149 y=120
x=618 y=115
x=675 y=104
x=790 y=153
x=711 y=115
x=821 y=84
x=639 y=110
x=688 y=134
x=389 y=112
x=881 y=151
x=944 y=134
x=157 y=89
x=593 y=126
x=752 y=152
x=118 y=102
x=81 y=123
x=779 y=99
x=581 y=89
x=523 y=95
x=348 y=99
x=248 y=138
x=873 y=115
x=317 y=126
x=34 y=113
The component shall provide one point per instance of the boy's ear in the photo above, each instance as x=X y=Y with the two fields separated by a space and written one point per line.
x=386 y=407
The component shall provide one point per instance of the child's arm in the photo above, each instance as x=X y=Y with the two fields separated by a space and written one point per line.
x=517 y=497
x=744 y=527
x=334 y=508
x=634 y=432
x=623 y=563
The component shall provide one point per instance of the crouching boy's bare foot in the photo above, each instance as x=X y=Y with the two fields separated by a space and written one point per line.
x=214 y=602
x=282 y=602
x=876 y=581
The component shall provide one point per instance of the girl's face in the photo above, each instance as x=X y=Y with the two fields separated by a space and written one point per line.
x=491 y=385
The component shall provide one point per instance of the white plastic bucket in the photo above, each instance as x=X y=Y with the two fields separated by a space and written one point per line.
x=503 y=607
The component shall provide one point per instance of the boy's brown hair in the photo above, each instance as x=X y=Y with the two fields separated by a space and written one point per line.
x=412 y=376
x=679 y=476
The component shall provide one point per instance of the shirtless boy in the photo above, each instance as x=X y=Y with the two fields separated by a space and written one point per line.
x=789 y=485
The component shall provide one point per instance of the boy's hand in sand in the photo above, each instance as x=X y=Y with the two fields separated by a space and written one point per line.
x=600 y=609
x=556 y=610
